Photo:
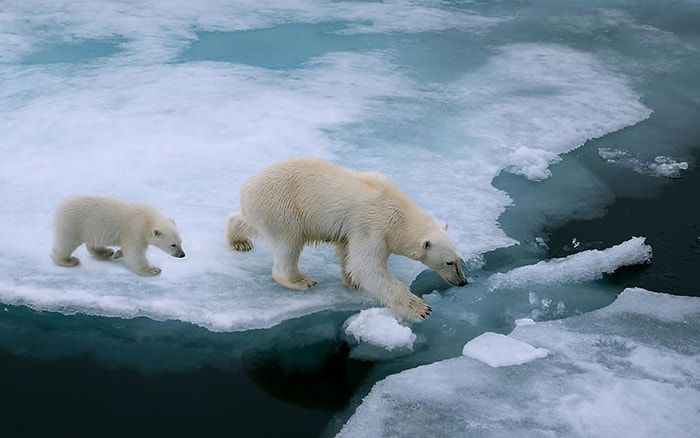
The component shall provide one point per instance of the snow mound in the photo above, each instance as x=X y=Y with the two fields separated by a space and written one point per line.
x=376 y=332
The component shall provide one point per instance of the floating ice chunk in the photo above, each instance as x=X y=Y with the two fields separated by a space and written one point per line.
x=497 y=350
x=524 y=322
x=618 y=371
x=664 y=166
x=583 y=266
x=533 y=164
x=661 y=306
x=378 y=329
x=661 y=167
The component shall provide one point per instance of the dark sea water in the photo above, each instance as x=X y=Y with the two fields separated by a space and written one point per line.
x=80 y=391
x=668 y=215
x=664 y=210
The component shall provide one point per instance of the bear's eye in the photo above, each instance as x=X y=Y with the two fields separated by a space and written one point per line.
x=172 y=245
x=450 y=263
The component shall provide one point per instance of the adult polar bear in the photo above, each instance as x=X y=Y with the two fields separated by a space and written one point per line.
x=100 y=222
x=365 y=215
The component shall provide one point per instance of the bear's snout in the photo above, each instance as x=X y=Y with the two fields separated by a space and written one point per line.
x=457 y=281
x=180 y=254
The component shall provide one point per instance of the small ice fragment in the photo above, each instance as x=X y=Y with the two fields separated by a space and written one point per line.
x=497 y=350
x=522 y=322
x=379 y=327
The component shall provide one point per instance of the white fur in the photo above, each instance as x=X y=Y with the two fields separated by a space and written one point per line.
x=365 y=215
x=101 y=222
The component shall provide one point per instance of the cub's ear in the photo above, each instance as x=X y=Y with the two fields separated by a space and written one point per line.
x=426 y=244
x=445 y=226
x=157 y=232
x=171 y=220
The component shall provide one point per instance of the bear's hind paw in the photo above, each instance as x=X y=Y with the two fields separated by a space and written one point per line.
x=242 y=245
x=302 y=282
x=347 y=282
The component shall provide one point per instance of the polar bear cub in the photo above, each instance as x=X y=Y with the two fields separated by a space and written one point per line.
x=366 y=216
x=100 y=222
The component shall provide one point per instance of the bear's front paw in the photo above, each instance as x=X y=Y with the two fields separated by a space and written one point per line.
x=413 y=309
x=117 y=254
x=242 y=245
x=150 y=271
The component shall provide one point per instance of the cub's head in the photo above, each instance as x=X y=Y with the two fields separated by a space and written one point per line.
x=440 y=254
x=166 y=237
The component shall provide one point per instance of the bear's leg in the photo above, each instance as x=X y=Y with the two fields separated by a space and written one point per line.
x=100 y=252
x=62 y=251
x=367 y=268
x=285 y=270
x=341 y=251
x=135 y=258
x=239 y=232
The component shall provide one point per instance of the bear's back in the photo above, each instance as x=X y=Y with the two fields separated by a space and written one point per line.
x=103 y=212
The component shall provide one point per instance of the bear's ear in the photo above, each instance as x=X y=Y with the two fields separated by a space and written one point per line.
x=426 y=244
x=157 y=232
x=445 y=226
x=171 y=220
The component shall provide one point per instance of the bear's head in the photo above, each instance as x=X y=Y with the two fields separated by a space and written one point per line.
x=166 y=237
x=440 y=254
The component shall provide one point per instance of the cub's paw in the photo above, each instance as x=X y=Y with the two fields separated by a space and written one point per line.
x=242 y=245
x=150 y=271
x=67 y=262
x=413 y=308
x=117 y=254
x=101 y=253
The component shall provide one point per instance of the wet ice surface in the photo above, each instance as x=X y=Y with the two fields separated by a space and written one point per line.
x=629 y=369
x=382 y=329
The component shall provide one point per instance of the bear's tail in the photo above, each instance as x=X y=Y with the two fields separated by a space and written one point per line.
x=239 y=232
